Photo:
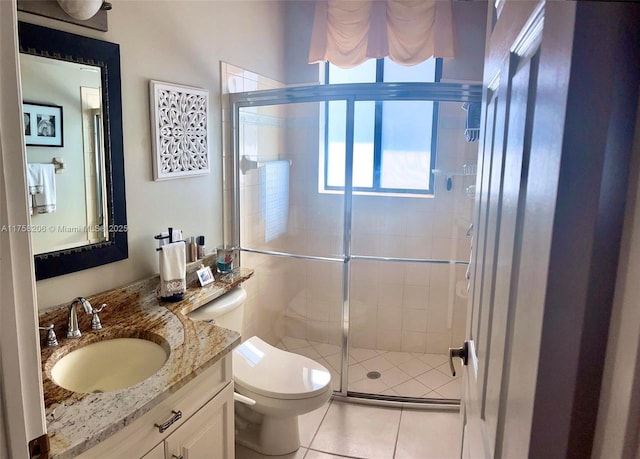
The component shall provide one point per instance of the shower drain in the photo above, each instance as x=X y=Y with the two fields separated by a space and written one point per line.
x=373 y=375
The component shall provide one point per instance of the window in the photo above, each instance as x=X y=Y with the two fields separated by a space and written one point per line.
x=394 y=141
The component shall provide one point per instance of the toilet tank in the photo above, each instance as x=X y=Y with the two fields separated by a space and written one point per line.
x=226 y=311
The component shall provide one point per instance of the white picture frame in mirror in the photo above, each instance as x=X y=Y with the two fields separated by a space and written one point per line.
x=179 y=130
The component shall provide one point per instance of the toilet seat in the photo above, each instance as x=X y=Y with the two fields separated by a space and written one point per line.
x=278 y=374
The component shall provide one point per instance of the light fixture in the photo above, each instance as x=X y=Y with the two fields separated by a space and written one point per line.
x=83 y=9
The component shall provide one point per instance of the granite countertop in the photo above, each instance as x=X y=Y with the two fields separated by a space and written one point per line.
x=78 y=421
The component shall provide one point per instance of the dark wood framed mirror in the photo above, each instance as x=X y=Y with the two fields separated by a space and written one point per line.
x=107 y=241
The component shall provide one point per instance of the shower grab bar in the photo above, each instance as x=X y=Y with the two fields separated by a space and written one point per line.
x=354 y=257
x=247 y=164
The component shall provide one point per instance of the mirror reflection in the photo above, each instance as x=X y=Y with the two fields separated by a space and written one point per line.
x=65 y=157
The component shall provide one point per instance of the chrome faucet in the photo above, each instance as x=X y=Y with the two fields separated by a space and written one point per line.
x=73 y=331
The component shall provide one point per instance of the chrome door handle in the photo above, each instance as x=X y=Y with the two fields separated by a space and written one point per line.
x=458 y=352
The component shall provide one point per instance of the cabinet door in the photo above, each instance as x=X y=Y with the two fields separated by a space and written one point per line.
x=208 y=433
x=155 y=453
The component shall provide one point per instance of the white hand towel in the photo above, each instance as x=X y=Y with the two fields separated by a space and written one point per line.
x=46 y=200
x=34 y=184
x=34 y=178
x=173 y=267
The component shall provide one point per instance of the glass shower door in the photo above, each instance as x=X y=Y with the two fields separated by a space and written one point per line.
x=409 y=251
x=290 y=234
x=359 y=246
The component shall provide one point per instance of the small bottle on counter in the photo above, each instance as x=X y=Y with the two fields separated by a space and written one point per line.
x=200 y=247
x=193 y=249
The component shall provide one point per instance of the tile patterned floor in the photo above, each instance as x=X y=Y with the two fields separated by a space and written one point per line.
x=401 y=373
x=340 y=429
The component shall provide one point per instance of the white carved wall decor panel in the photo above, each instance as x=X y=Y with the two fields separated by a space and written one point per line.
x=179 y=125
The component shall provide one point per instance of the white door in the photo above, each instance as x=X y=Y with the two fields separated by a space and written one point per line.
x=21 y=384
x=535 y=216
x=502 y=177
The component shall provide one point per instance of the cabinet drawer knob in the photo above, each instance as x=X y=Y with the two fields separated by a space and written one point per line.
x=173 y=456
x=164 y=426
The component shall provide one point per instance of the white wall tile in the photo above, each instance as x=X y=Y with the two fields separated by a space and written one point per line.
x=363 y=315
x=365 y=221
x=413 y=341
x=250 y=85
x=393 y=222
x=392 y=246
x=364 y=290
x=418 y=247
x=442 y=224
x=439 y=343
x=416 y=296
x=365 y=244
x=388 y=340
x=417 y=274
x=414 y=320
x=363 y=337
x=317 y=309
x=233 y=83
x=419 y=223
x=389 y=318
x=364 y=270
x=390 y=295
x=437 y=318
x=390 y=272
x=316 y=331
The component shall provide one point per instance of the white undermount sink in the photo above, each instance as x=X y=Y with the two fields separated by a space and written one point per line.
x=109 y=365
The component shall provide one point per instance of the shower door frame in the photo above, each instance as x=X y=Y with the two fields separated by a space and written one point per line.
x=350 y=93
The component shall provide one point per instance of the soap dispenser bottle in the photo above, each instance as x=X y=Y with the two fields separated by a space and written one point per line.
x=193 y=249
x=200 y=247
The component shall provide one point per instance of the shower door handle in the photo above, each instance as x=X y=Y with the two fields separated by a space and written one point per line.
x=458 y=352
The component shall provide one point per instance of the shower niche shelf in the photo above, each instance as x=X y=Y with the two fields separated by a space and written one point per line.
x=467 y=170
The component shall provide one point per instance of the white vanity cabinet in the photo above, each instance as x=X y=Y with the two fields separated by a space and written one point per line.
x=204 y=429
x=207 y=434
x=155 y=453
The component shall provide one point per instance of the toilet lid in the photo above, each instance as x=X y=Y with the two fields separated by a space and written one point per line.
x=275 y=373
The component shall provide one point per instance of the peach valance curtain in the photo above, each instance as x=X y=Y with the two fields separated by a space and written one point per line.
x=348 y=32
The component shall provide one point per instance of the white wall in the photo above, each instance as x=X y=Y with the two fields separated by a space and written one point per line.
x=179 y=42
x=469 y=19
x=298 y=39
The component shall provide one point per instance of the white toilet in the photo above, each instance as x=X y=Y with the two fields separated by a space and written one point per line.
x=274 y=386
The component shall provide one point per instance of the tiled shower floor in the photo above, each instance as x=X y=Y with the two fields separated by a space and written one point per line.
x=405 y=374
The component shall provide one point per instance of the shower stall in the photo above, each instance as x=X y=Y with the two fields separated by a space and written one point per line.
x=360 y=268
